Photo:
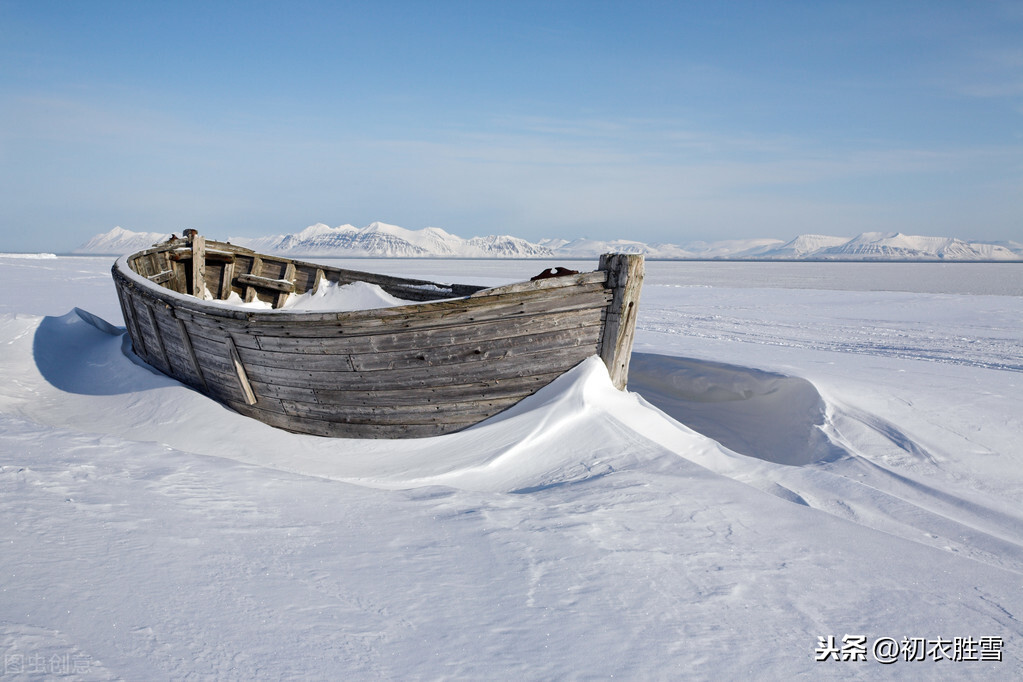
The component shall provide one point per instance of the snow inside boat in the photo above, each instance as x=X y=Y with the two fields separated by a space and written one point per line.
x=437 y=359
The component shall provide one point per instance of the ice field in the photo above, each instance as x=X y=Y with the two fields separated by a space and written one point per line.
x=812 y=461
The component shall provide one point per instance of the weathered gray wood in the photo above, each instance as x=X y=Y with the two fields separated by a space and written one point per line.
x=595 y=277
x=179 y=281
x=239 y=368
x=128 y=310
x=187 y=343
x=320 y=427
x=425 y=338
x=250 y=291
x=625 y=277
x=408 y=371
x=226 y=277
x=157 y=338
x=282 y=285
x=161 y=277
x=198 y=266
x=419 y=377
x=493 y=388
x=217 y=255
x=416 y=413
x=289 y=277
x=459 y=354
x=453 y=353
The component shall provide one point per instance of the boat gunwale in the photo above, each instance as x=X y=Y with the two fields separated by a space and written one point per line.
x=482 y=297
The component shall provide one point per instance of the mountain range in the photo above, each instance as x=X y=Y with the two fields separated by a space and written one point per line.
x=382 y=240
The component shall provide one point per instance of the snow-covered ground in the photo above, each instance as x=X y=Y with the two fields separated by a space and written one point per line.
x=801 y=463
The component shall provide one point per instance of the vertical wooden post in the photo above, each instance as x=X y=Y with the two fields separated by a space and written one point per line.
x=282 y=296
x=250 y=291
x=625 y=279
x=198 y=266
x=226 y=275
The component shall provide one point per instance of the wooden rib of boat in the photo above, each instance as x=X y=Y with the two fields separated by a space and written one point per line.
x=461 y=354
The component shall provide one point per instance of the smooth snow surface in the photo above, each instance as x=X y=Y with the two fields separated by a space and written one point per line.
x=791 y=464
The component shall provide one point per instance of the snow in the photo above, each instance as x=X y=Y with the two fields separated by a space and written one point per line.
x=792 y=462
x=329 y=296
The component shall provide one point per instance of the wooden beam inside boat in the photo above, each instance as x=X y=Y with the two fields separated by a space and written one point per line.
x=198 y=266
x=281 y=285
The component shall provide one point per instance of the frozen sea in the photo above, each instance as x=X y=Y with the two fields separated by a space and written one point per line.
x=813 y=461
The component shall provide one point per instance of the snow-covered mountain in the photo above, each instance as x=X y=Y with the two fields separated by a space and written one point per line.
x=120 y=240
x=383 y=240
x=804 y=246
x=592 y=248
x=898 y=246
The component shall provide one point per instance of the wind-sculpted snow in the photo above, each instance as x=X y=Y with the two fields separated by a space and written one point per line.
x=755 y=492
x=766 y=415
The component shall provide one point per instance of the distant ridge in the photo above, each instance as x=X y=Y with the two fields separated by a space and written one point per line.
x=119 y=240
x=382 y=240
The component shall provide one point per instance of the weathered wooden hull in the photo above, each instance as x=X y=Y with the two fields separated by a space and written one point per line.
x=463 y=355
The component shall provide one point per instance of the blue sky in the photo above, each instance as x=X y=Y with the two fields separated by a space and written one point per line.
x=659 y=121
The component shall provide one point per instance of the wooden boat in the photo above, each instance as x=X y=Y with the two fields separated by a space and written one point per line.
x=459 y=355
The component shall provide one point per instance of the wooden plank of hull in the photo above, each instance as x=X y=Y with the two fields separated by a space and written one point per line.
x=492 y=388
x=474 y=352
x=409 y=413
x=127 y=302
x=352 y=390
x=526 y=364
x=153 y=338
x=443 y=355
x=290 y=350
x=485 y=330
